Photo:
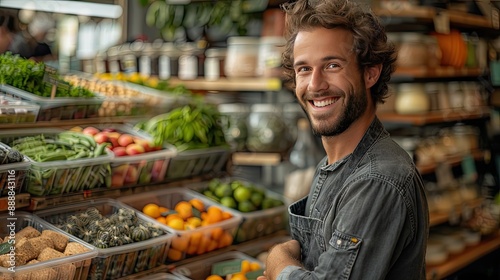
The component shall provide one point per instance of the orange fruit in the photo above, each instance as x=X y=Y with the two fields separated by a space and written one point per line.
x=152 y=210
x=254 y=266
x=214 y=214
x=225 y=240
x=196 y=238
x=226 y=215
x=245 y=266
x=191 y=250
x=216 y=233
x=198 y=204
x=176 y=223
x=180 y=243
x=202 y=247
x=212 y=245
x=194 y=221
x=162 y=220
x=174 y=254
x=184 y=209
x=238 y=276
x=214 y=277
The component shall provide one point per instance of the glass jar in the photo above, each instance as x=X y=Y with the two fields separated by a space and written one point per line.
x=168 y=61
x=214 y=63
x=234 y=122
x=411 y=98
x=188 y=62
x=242 y=56
x=413 y=51
x=267 y=130
x=270 y=50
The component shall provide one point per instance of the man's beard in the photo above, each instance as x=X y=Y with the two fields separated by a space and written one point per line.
x=355 y=107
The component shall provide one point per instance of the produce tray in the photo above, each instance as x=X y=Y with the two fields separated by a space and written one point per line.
x=122 y=260
x=190 y=242
x=201 y=269
x=198 y=162
x=17 y=111
x=74 y=266
x=13 y=175
x=140 y=169
x=256 y=223
x=62 y=176
x=59 y=108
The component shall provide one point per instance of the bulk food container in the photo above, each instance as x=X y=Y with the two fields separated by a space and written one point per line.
x=200 y=224
x=42 y=250
x=127 y=241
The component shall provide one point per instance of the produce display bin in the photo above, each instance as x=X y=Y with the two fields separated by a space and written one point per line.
x=59 y=108
x=119 y=261
x=17 y=111
x=62 y=176
x=190 y=242
x=256 y=223
x=144 y=168
x=76 y=266
x=198 y=162
x=201 y=269
x=13 y=175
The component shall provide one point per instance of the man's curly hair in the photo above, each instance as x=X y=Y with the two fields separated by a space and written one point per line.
x=370 y=40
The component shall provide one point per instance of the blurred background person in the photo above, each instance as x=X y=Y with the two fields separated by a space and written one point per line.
x=6 y=32
x=30 y=43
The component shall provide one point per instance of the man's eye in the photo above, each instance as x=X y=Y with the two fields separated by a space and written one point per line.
x=302 y=69
x=332 y=65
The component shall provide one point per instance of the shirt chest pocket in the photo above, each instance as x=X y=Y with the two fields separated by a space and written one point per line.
x=347 y=248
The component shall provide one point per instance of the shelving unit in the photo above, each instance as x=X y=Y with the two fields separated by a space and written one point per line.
x=231 y=84
x=468 y=256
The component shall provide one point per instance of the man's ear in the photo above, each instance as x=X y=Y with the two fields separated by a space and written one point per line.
x=372 y=73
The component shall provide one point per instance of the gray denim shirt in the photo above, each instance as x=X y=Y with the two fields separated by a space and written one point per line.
x=366 y=216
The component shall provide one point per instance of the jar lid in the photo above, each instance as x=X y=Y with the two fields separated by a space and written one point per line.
x=216 y=52
x=412 y=37
x=273 y=40
x=411 y=87
x=234 y=108
x=243 y=40
x=265 y=108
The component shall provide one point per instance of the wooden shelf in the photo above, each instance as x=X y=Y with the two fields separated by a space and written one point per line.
x=459 y=261
x=437 y=218
x=427 y=15
x=231 y=84
x=404 y=73
x=453 y=160
x=254 y=159
x=22 y=201
x=433 y=117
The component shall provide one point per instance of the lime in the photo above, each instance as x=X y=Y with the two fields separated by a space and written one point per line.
x=242 y=194
x=213 y=184
x=257 y=199
x=267 y=203
x=246 y=206
x=223 y=190
x=236 y=184
x=211 y=195
x=228 y=202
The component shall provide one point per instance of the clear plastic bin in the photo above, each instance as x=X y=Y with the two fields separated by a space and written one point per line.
x=59 y=108
x=62 y=176
x=13 y=175
x=75 y=266
x=201 y=269
x=17 y=111
x=197 y=241
x=123 y=260
x=257 y=223
x=132 y=170
x=198 y=162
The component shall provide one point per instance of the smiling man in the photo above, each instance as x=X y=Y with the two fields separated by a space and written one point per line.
x=366 y=216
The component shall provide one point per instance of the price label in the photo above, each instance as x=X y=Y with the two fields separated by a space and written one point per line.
x=51 y=77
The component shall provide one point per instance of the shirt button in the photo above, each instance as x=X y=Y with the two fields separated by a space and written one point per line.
x=339 y=242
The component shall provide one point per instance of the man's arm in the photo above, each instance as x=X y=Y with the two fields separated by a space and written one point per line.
x=280 y=256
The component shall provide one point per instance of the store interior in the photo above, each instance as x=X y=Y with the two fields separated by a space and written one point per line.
x=159 y=109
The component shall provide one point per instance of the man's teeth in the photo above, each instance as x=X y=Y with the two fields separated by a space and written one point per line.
x=323 y=103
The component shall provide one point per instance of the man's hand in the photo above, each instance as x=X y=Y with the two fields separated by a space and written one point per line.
x=281 y=256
